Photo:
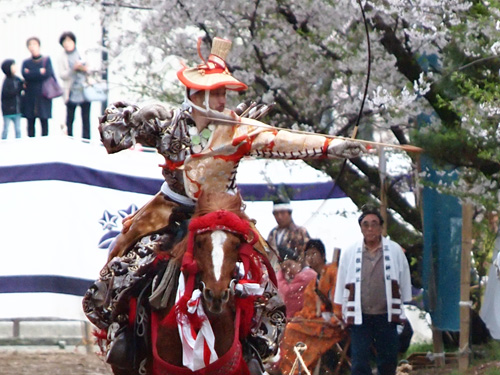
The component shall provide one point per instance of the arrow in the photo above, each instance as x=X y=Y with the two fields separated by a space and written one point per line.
x=251 y=122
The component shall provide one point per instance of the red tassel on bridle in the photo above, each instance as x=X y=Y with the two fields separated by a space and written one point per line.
x=223 y=220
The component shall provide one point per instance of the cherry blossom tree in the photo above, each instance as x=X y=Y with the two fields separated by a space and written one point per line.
x=431 y=58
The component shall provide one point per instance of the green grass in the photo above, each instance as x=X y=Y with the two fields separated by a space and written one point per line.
x=487 y=352
x=418 y=348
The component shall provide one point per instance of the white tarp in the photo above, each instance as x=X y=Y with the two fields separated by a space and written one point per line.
x=490 y=308
x=420 y=323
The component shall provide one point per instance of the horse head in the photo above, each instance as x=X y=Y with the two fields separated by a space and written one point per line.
x=216 y=256
x=218 y=229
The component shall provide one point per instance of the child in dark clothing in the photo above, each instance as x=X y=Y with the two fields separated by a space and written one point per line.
x=11 y=98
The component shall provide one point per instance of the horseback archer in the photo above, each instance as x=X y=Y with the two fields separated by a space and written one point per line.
x=201 y=156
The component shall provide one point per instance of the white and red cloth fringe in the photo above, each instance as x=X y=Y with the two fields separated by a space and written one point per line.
x=198 y=346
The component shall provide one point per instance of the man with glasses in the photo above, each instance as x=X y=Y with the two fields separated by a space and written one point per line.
x=373 y=282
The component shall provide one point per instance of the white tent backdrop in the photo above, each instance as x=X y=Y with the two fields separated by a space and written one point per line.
x=61 y=198
x=50 y=228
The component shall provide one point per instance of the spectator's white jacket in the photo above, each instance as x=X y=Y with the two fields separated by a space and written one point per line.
x=397 y=281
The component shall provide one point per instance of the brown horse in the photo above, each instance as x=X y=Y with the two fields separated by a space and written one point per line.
x=200 y=334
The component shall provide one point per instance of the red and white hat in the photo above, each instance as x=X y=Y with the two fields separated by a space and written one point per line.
x=213 y=73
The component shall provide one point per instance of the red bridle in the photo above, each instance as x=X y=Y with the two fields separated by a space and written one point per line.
x=223 y=220
x=216 y=220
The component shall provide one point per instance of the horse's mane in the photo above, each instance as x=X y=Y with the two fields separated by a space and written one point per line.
x=210 y=202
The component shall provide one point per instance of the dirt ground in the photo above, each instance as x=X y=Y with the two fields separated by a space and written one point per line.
x=14 y=362
x=21 y=362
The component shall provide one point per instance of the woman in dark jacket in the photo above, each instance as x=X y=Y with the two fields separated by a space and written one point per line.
x=36 y=70
x=11 y=98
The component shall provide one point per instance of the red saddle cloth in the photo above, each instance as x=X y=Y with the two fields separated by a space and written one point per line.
x=231 y=363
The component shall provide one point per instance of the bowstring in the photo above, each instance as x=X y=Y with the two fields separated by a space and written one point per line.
x=358 y=119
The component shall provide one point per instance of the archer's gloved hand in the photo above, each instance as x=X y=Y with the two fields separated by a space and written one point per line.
x=346 y=149
x=114 y=126
x=149 y=113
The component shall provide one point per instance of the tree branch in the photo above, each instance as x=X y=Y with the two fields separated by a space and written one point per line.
x=409 y=67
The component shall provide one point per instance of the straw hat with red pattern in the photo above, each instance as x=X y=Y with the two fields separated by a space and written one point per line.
x=213 y=73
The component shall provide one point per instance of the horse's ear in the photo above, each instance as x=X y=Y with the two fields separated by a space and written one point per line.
x=200 y=201
x=238 y=194
x=202 y=195
x=252 y=237
x=235 y=201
